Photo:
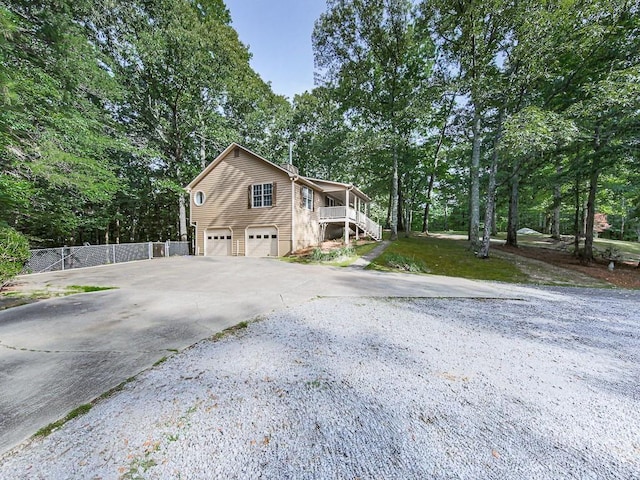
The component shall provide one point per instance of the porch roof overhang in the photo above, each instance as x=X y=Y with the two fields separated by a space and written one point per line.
x=328 y=186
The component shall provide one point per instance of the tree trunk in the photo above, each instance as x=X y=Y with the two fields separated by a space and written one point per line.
x=494 y=223
x=394 y=195
x=203 y=144
x=118 y=226
x=425 y=218
x=407 y=219
x=576 y=218
x=591 y=213
x=446 y=217
x=400 y=207
x=182 y=209
x=623 y=220
x=474 y=172
x=388 y=219
x=491 y=194
x=557 y=200
x=512 y=220
x=436 y=158
x=489 y=209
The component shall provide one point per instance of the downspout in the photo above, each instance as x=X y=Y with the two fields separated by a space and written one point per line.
x=293 y=213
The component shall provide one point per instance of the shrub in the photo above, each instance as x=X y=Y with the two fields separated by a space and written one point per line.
x=408 y=264
x=14 y=253
x=319 y=256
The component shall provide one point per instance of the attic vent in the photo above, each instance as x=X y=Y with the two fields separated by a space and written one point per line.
x=236 y=152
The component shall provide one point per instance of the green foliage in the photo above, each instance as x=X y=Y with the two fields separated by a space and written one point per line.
x=444 y=257
x=408 y=264
x=107 y=109
x=86 y=288
x=317 y=255
x=14 y=252
x=47 y=430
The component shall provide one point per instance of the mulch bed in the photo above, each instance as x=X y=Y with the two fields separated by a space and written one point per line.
x=625 y=275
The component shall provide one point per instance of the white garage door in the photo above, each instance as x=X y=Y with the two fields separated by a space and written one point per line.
x=262 y=242
x=217 y=242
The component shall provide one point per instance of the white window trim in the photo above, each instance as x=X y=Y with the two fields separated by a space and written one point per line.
x=307 y=197
x=195 y=197
x=253 y=195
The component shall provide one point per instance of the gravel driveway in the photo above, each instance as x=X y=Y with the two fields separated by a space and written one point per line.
x=378 y=388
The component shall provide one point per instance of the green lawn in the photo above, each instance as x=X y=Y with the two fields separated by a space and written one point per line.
x=444 y=257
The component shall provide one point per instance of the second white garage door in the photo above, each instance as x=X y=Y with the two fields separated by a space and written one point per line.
x=262 y=242
x=217 y=242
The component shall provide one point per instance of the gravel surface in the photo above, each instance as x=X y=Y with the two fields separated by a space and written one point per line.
x=546 y=387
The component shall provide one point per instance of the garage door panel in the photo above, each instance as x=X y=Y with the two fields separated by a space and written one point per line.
x=262 y=242
x=217 y=242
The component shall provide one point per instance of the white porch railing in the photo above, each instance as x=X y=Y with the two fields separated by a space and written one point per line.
x=342 y=213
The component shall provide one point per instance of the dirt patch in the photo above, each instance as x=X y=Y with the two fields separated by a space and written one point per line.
x=625 y=275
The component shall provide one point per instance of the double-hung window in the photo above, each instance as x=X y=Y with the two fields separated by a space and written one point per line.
x=262 y=195
x=307 y=198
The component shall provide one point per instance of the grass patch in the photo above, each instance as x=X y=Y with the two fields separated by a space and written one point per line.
x=27 y=296
x=446 y=257
x=407 y=264
x=231 y=330
x=76 y=412
x=160 y=361
x=365 y=248
x=71 y=289
x=626 y=249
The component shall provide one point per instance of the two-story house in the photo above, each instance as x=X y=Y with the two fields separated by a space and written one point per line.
x=243 y=204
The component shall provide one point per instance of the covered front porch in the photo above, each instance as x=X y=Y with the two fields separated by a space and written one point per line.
x=349 y=207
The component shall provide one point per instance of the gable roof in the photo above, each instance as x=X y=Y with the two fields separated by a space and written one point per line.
x=222 y=155
x=311 y=182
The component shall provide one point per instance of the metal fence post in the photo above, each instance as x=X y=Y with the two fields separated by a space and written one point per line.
x=166 y=246
x=150 y=250
x=113 y=247
x=62 y=257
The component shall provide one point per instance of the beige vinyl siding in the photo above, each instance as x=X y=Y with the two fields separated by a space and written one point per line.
x=226 y=205
x=307 y=221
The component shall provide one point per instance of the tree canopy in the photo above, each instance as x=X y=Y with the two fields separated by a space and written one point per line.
x=439 y=110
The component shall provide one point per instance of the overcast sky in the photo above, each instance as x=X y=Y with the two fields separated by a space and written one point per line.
x=278 y=33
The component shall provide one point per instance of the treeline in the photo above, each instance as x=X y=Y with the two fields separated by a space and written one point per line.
x=110 y=108
x=478 y=110
x=458 y=114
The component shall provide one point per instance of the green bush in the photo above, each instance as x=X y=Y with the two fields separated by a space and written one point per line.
x=408 y=264
x=319 y=256
x=14 y=252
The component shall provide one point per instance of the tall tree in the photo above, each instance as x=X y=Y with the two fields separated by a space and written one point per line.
x=56 y=133
x=471 y=35
x=372 y=53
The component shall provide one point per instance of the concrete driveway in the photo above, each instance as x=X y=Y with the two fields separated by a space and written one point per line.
x=59 y=353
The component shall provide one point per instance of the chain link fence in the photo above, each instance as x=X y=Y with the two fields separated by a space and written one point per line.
x=65 y=258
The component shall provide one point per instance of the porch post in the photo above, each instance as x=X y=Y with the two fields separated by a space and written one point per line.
x=346 y=218
x=357 y=205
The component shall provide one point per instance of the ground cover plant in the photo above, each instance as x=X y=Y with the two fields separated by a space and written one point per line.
x=333 y=253
x=448 y=257
x=14 y=297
